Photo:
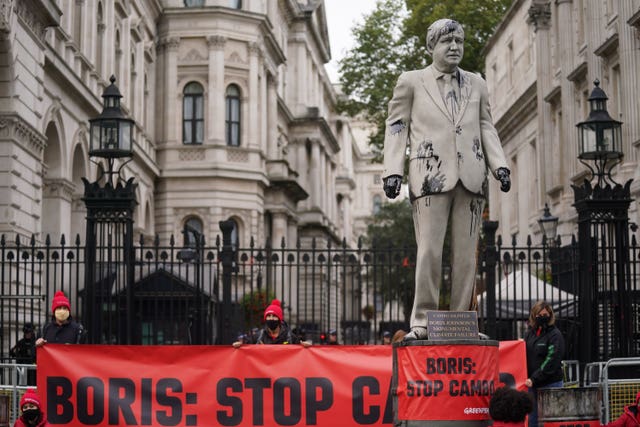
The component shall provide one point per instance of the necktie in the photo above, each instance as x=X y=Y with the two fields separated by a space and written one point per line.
x=451 y=94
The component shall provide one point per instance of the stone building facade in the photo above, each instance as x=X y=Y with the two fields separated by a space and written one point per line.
x=540 y=65
x=235 y=117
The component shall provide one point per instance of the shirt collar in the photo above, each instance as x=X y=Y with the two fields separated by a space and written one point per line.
x=438 y=74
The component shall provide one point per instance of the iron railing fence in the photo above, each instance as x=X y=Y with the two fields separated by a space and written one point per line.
x=206 y=294
x=514 y=277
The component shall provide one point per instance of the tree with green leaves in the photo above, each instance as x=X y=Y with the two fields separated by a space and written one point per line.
x=391 y=238
x=392 y=40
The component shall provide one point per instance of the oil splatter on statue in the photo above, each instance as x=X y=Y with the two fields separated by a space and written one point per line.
x=442 y=112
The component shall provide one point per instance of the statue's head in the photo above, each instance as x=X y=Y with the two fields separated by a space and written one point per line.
x=445 y=43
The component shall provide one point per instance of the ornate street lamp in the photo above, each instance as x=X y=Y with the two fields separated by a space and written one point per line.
x=111 y=134
x=548 y=225
x=109 y=252
x=603 y=227
x=600 y=137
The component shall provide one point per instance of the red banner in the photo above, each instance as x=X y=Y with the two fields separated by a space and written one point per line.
x=93 y=385
x=572 y=423
x=446 y=382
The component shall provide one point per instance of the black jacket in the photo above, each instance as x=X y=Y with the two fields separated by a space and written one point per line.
x=284 y=337
x=70 y=332
x=544 y=356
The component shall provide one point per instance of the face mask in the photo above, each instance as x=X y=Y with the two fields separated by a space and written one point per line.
x=31 y=416
x=542 y=321
x=61 y=315
x=273 y=324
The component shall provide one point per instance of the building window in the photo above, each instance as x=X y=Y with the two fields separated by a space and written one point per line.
x=193 y=114
x=194 y=3
x=232 y=121
x=235 y=4
x=377 y=204
x=192 y=232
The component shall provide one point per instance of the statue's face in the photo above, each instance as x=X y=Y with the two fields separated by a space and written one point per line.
x=448 y=51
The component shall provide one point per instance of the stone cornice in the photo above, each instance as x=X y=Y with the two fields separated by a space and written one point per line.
x=59 y=188
x=38 y=15
x=14 y=128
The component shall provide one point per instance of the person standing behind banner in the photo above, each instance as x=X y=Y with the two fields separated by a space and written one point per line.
x=24 y=350
x=32 y=415
x=61 y=329
x=276 y=330
x=545 y=350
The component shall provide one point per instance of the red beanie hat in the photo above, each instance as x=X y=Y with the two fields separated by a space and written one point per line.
x=274 y=308
x=59 y=300
x=30 y=396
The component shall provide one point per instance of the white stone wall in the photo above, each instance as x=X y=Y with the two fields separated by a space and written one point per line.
x=568 y=45
x=294 y=174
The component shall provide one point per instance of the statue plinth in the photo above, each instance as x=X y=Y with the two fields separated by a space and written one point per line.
x=444 y=382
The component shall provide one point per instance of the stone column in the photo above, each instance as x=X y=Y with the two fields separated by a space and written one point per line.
x=629 y=65
x=171 y=119
x=216 y=89
x=565 y=54
x=315 y=175
x=539 y=18
x=279 y=222
x=253 y=96
x=272 y=119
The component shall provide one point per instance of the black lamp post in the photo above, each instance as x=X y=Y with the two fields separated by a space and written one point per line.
x=548 y=225
x=600 y=137
x=111 y=133
x=109 y=255
x=605 y=314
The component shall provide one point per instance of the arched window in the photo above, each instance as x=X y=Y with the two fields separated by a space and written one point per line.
x=193 y=114
x=377 y=203
x=235 y=4
x=232 y=121
x=192 y=232
x=235 y=235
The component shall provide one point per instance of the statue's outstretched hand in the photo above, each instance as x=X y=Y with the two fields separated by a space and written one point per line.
x=504 y=177
x=391 y=186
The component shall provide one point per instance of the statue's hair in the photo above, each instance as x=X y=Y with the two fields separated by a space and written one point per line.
x=440 y=28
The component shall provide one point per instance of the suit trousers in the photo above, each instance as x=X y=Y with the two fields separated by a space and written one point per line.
x=431 y=214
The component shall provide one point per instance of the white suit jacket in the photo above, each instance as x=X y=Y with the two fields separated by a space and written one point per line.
x=443 y=149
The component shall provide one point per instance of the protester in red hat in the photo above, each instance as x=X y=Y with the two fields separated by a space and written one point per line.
x=32 y=415
x=630 y=415
x=275 y=330
x=61 y=329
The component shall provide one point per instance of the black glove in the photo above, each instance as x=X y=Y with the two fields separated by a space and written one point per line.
x=392 y=184
x=505 y=181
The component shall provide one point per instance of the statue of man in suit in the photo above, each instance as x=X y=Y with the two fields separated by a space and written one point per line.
x=443 y=113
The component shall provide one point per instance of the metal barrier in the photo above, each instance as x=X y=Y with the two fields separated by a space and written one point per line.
x=571 y=370
x=620 y=382
x=15 y=379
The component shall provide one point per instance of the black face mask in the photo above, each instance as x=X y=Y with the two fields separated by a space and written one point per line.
x=273 y=324
x=31 y=416
x=543 y=321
